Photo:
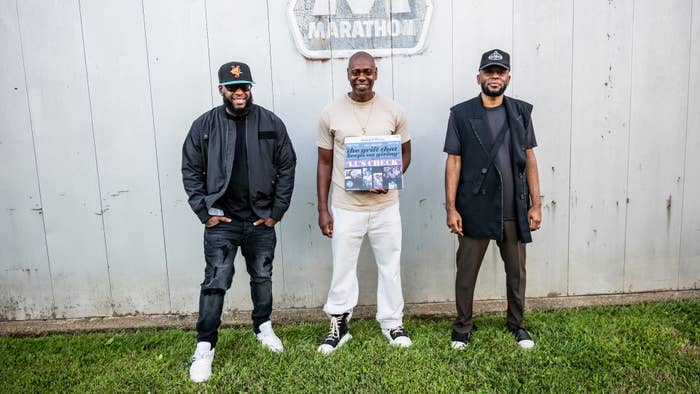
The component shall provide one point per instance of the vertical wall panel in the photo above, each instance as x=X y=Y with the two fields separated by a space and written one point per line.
x=245 y=40
x=689 y=275
x=541 y=71
x=474 y=32
x=657 y=143
x=25 y=281
x=126 y=154
x=181 y=91
x=301 y=89
x=601 y=85
x=60 y=108
x=428 y=258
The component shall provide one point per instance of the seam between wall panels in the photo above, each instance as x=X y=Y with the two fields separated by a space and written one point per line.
x=36 y=161
x=155 y=149
x=455 y=241
x=206 y=30
x=571 y=139
x=452 y=51
x=330 y=44
x=269 y=49
x=685 y=152
x=629 y=152
x=94 y=145
x=512 y=41
x=391 y=53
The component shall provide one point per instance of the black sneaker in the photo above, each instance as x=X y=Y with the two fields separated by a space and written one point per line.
x=460 y=340
x=523 y=338
x=338 y=334
x=397 y=336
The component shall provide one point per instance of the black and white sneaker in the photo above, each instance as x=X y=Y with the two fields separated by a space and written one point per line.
x=523 y=338
x=460 y=340
x=397 y=336
x=338 y=334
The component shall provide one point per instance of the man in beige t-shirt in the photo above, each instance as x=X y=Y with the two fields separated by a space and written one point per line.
x=356 y=213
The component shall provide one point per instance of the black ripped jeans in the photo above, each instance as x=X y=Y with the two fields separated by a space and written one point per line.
x=221 y=242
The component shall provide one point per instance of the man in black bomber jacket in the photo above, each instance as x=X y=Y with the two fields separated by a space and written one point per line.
x=492 y=191
x=238 y=171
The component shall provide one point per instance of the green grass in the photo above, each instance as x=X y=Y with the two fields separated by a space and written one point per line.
x=643 y=348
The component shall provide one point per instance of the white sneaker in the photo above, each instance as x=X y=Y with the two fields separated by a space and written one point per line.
x=397 y=336
x=460 y=340
x=457 y=345
x=523 y=338
x=526 y=344
x=267 y=337
x=200 y=370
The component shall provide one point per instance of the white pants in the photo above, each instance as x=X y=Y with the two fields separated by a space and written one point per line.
x=383 y=228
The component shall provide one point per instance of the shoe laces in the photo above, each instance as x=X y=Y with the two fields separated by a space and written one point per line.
x=334 y=330
x=397 y=331
x=200 y=356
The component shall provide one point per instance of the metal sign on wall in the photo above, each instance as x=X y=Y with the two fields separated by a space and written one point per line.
x=322 y=28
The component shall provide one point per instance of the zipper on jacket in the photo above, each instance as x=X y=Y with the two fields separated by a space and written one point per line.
x=250 y=193
x=501 y=193
x=228 y=169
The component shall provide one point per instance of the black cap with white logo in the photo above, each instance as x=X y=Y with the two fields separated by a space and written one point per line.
x=495 y=57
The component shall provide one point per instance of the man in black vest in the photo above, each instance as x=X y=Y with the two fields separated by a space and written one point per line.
x=238 y=171
x=491 y=191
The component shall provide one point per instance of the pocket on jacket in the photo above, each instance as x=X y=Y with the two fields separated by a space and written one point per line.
x=267 y=135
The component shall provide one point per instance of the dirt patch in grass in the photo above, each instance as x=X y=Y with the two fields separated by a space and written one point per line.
x=690 y=350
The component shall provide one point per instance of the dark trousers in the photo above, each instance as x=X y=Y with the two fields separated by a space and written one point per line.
x=469 y=257
x=221 y=242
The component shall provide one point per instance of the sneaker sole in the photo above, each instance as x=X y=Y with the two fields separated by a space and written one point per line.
x=199 y=380
x=398 y=342
x=328 y=349
x=199 y=377
x=457 y=345
x=269 y=347
x=401 y=343
x=526 y=344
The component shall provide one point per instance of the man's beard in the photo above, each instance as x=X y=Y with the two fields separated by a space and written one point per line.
x=485 y=89
x=238 y=112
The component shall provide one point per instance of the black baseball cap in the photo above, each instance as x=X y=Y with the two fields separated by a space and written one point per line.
x=234 y=72
x=495 y=57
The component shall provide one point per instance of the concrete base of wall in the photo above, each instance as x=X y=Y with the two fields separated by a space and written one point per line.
x=303 y=315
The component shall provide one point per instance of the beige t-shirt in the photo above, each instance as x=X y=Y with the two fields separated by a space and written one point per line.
x=346 y=118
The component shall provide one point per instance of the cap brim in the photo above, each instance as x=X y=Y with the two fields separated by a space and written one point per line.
x=494 y=64
x=236 y=82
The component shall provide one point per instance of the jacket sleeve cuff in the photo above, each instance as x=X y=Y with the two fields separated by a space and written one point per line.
x=277 y=213
x=203 y=215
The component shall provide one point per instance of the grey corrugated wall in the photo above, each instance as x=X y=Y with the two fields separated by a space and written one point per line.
x=97 y=96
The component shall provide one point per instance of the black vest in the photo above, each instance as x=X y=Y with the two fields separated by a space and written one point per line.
x=479 y=195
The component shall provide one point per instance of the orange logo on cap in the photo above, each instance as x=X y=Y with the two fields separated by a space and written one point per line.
x=236 y=71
